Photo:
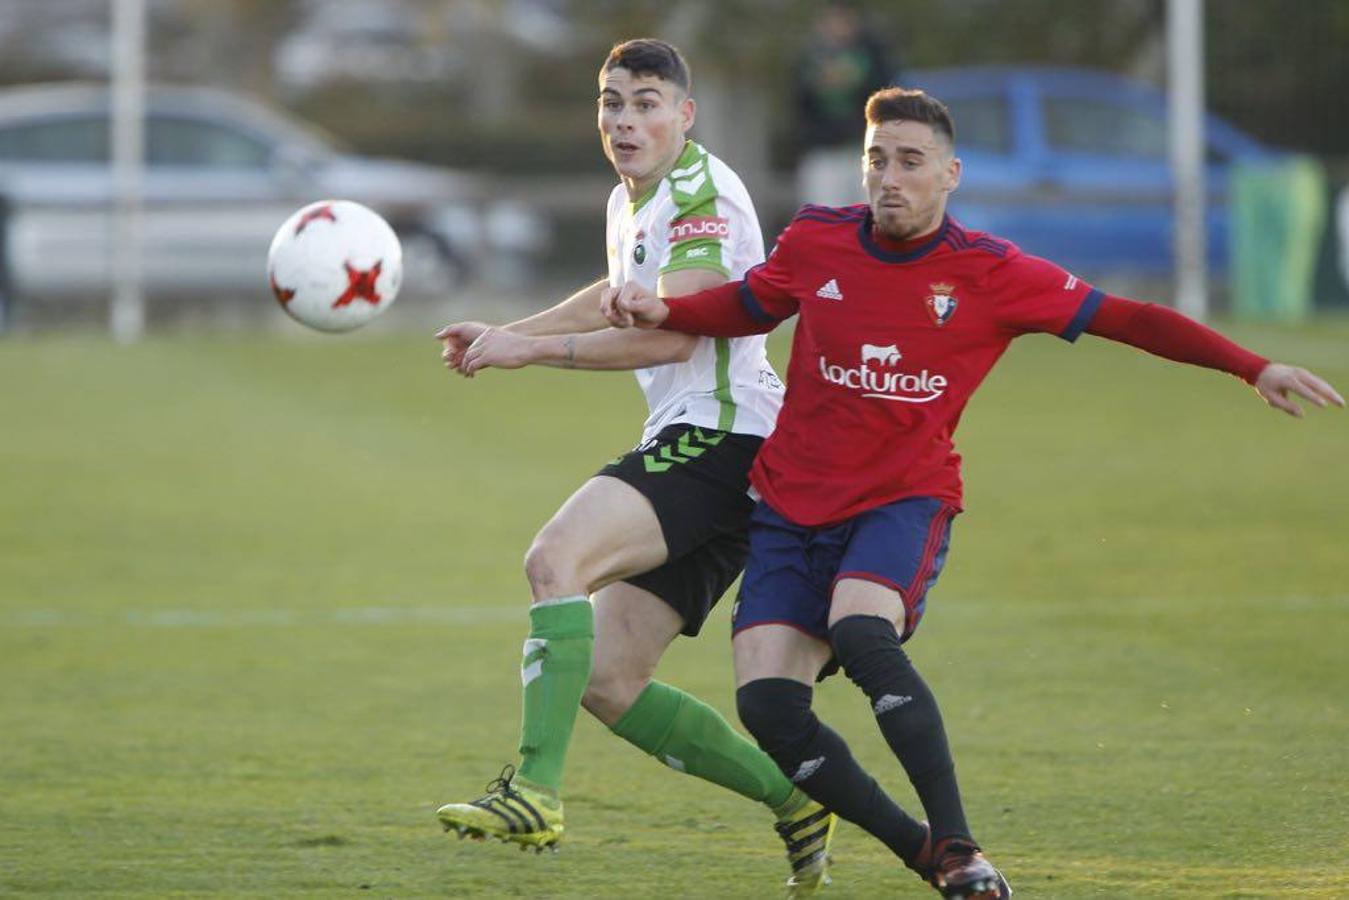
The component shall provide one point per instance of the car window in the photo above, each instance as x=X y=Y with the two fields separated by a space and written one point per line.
x=1105 y=129
x=191 y=142
x=982 y=124
x=68 y=140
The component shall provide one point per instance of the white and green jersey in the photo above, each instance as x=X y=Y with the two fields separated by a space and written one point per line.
x=698 y=217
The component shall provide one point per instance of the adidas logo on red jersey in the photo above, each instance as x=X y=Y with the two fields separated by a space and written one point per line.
x=829 y=290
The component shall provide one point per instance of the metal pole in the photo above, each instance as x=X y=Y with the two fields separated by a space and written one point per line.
x=1185 y=103
x=127 y=318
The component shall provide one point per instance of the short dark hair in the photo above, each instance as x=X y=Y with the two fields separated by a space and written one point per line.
x=912 y=105
x=647 y=56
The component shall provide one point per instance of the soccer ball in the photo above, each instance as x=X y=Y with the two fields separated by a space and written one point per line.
x=335 y=265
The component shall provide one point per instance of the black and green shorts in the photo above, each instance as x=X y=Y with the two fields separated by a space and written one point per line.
x=697 y=480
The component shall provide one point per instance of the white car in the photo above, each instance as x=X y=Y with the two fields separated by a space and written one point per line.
x=221 y=174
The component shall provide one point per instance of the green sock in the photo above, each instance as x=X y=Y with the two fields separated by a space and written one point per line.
x=687 y=734
x=555 y=670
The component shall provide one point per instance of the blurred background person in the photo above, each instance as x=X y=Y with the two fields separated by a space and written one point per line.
x=838 y=69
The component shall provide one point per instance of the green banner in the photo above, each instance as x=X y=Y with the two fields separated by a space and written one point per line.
x=1278 y=226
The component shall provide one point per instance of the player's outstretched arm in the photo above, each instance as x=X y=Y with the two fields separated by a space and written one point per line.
x=472 y=346
x=578 y=313
x=1277 y=381
x=715 y=312
x=1169 y=334
x=610 y=349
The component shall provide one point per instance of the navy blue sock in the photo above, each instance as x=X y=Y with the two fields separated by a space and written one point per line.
x=777 y=712
x=868 y=649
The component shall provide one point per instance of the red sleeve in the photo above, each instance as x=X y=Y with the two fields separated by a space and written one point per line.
x=1167 y=333
x=768 y=293
x=753 y=306
x=715 y=312
x=1034 y=295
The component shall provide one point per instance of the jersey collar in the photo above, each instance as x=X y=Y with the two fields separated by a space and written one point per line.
x=687 y=157
x=869 y=243
x=634 y=205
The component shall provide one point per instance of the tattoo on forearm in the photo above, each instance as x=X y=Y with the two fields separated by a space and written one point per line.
x=570 y=344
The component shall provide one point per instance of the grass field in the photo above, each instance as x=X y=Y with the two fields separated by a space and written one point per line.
x=261 y=609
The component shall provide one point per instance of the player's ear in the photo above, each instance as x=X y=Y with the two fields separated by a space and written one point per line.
x=688 y=111
x=953 y=169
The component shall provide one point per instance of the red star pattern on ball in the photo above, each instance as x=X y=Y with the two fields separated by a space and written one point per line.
x=360 y=285
x=319 y=212
x=283 y=295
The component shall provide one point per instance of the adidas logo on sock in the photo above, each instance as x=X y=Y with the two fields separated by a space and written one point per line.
x=829 y=290
x=889 y=702
x=807 y=769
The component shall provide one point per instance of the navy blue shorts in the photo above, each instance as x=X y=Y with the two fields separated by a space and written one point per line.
x=791 y=572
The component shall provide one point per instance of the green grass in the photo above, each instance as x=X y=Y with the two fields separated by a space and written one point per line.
x=261 y=609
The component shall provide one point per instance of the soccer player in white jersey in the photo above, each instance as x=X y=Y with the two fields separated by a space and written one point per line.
x=641 y=552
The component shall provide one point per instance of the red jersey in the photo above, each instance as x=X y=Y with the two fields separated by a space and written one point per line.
x=888 y=349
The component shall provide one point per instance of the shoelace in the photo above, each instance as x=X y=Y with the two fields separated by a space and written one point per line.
x=522 y=815
x=500 y=785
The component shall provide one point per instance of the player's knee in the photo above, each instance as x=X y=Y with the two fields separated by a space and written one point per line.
x=611 y=693
x=776 y=711
x=548 y=565
x=868 y=648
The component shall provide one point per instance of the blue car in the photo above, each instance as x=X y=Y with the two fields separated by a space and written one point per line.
x=1073 y=165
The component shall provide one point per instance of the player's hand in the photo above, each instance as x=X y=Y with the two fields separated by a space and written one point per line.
x=457 y=338
x=633 y=304
x=609 y=308
x=1277 y=382
x=497 y=349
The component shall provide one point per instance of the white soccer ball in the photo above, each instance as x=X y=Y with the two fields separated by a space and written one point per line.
x=335 y=265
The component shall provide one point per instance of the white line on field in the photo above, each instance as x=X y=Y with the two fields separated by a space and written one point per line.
x=955 y=607
x=207 y=618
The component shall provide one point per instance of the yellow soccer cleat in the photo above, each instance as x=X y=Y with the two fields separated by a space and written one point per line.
x=508 y=812
x=807 y=833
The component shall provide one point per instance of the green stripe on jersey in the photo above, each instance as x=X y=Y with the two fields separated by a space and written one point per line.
x=726 y=419
x=696 y=255
x=683 y=177
x=695 y=196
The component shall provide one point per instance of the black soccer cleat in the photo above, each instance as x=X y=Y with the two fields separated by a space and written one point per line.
x=961 y=872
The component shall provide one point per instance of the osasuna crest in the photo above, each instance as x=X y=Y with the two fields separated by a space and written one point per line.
x=941 y=306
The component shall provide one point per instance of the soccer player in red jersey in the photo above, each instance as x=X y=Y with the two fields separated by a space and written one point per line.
x=902 y=312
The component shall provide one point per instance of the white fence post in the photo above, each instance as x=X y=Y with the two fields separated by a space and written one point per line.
x=127 y=318
x=1185 y=105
